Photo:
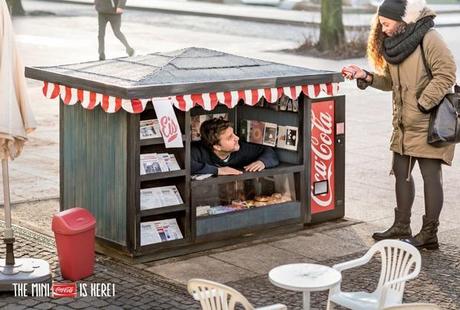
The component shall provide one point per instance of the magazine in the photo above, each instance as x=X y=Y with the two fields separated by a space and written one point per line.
x=256 y=132
x=160 y=231
x=270 y=132
x=295 y=105
x=243 y=129
x=149 y=129
x=197 y=120
x=288 y=137
x=158 y=197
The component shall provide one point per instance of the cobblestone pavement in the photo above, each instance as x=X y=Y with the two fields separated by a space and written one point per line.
x=139 y=289
x=437 y=282
x=134 y=288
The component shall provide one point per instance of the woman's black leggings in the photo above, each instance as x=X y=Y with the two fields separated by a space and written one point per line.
x=405 y=189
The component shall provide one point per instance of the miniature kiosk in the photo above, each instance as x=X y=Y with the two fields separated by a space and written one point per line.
x=126 y=126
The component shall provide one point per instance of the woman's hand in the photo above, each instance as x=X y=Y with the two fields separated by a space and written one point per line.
x=352 y=72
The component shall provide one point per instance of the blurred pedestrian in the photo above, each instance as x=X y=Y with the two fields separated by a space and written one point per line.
x=400 y=28
x=110 y=11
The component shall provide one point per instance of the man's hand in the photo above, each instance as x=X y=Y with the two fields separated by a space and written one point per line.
x=119 y=11
x=228 y=171
x=255 y=166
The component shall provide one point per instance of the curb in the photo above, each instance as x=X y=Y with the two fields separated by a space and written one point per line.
x=258 y=19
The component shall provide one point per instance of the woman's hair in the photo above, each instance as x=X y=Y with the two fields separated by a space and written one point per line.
x=375 y=44
x=211 y=130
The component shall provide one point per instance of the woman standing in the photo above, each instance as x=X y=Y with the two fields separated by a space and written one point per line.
x=400 y=28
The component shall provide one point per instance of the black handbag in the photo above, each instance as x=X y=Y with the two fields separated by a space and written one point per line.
x=444 y=127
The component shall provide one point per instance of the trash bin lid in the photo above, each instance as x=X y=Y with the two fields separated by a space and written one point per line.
x=73 y=221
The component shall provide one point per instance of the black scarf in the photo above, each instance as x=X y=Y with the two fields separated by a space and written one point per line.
x=400 y=46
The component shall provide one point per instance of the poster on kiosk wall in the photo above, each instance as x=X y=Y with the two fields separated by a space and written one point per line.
x=322 y=157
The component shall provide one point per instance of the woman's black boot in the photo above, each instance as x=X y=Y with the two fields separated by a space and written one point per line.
x=427 y=237
x=400 y=228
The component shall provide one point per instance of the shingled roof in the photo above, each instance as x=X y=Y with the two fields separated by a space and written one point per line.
x=185 y=71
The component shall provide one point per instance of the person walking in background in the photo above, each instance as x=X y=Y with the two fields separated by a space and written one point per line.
x=110 y=11
x=400 y=30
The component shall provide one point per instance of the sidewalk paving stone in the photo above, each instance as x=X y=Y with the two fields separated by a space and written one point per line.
x=260 y=258
x=200 y=267
x=324 y=246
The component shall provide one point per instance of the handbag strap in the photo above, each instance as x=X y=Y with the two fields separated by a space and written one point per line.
x=425 y=63
x=428 y=70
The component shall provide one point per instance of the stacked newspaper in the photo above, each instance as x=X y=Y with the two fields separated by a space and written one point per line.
x=158 y=197
x=160 y=231
x=161 y=162
x=149 y=129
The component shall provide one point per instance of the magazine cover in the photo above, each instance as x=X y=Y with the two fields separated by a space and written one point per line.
x=270 y=133
x=256 y=132
x=197 y=120
x=287 y=137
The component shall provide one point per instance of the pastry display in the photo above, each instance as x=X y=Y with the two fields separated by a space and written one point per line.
x=262 y=198
x=241 y=204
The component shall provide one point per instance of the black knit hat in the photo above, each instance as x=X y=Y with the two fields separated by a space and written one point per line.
x=402 y=10
x=393 y=9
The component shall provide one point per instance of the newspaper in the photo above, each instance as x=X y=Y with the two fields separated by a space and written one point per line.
x=158 y=197
x=160 y=231
x=149 y=129
x=153 y=163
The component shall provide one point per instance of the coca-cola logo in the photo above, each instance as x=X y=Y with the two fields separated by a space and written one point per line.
x=64 y=290
x=168 y=128
x=322 y=152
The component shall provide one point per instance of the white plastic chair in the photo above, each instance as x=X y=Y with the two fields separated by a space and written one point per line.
x=400 y=262
x=216 y=296
x=414 y=306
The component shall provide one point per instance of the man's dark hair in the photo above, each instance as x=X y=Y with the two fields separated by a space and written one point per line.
x=211 y=130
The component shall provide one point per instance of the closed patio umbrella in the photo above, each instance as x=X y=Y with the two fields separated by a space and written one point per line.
x=16 y=121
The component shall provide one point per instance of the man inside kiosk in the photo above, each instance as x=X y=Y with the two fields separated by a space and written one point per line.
x=221 y=153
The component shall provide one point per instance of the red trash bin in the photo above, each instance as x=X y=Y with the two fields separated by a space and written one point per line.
x=74 y=231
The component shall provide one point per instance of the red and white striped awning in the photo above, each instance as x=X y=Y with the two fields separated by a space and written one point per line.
x=89 y=100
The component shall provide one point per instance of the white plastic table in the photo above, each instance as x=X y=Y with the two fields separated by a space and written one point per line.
x=305 y=278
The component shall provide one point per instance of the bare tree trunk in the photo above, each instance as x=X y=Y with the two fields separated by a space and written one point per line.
x=15 y=7
x=332 y=33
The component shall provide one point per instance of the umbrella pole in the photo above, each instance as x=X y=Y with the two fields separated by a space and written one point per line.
x=9 y=236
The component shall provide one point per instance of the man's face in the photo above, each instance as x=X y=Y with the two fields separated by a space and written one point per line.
x=389 y=26
x=228 y=141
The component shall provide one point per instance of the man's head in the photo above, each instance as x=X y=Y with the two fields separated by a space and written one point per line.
x=218 y=135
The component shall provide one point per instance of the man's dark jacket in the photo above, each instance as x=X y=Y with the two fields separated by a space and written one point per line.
x=109 y=6
x=204 y=161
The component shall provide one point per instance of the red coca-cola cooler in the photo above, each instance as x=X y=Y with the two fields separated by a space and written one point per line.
x=325 y=142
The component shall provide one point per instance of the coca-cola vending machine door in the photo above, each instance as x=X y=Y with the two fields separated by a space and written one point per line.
x=327 y=160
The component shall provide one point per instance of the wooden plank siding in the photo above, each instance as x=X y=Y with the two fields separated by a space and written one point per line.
x=94 y=166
